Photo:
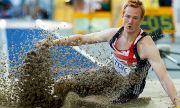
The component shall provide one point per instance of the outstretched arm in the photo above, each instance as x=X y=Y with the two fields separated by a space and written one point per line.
x=79 y=39
x=149 y=50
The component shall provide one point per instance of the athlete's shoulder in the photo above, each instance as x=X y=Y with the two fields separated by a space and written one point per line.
x=147 y=40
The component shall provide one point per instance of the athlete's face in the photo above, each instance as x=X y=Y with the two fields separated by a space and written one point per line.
x=132 y=19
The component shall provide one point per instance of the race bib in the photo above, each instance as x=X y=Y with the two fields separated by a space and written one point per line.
x=120 y=67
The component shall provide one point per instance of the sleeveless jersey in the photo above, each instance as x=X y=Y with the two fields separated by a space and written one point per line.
x=127 y=62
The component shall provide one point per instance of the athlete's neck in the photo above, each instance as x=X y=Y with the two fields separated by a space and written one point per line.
x=130 y=36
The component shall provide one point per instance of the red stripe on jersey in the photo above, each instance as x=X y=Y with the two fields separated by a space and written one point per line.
x=130 y=57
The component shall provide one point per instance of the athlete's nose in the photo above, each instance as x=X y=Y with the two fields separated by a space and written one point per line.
x=130 y=20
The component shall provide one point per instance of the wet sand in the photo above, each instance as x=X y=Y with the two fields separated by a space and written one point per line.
x=37 y=67
x=152 y=97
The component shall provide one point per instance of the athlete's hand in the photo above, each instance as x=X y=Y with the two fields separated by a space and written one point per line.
x=177 y=106
x=177 y=103
x=45 y=43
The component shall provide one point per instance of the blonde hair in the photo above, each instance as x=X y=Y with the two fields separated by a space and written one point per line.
x=134 y=4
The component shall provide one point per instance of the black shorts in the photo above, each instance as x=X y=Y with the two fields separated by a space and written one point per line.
x=132 y=93
x=105 y=83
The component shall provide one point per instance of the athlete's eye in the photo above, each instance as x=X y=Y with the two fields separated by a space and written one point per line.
x=135 y=18
x=127 y=16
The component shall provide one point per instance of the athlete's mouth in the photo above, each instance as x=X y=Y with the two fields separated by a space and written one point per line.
x=129 y=26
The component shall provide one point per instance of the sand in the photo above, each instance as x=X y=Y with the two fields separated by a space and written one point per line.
x=152 y=97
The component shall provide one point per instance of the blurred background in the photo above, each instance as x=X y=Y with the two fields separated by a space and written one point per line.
x=24 y=22
x=159 y=13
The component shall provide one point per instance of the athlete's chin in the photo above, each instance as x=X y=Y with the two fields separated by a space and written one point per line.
x=129 y=30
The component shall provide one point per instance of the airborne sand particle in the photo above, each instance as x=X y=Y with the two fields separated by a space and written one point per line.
x=36 y=83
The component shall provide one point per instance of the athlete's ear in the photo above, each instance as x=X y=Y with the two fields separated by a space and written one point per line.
x=122 y=16
x=142 y=19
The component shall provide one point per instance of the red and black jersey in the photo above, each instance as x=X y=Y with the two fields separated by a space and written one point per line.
x=128 y=62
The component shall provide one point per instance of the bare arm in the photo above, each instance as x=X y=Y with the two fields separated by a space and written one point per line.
x=149 y=50
x=79 y=39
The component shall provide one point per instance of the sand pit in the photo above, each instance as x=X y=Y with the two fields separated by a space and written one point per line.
x=152 y=97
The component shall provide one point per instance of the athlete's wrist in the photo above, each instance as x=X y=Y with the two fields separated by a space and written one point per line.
x=55 y=42
x=177 y=102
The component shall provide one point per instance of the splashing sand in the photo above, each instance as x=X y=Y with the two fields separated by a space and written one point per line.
x=37 y=88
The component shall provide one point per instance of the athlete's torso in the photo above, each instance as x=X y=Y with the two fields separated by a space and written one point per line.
x=125 y=60
x=128 y=63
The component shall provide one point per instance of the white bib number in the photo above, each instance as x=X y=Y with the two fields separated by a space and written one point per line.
x=120 y=67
